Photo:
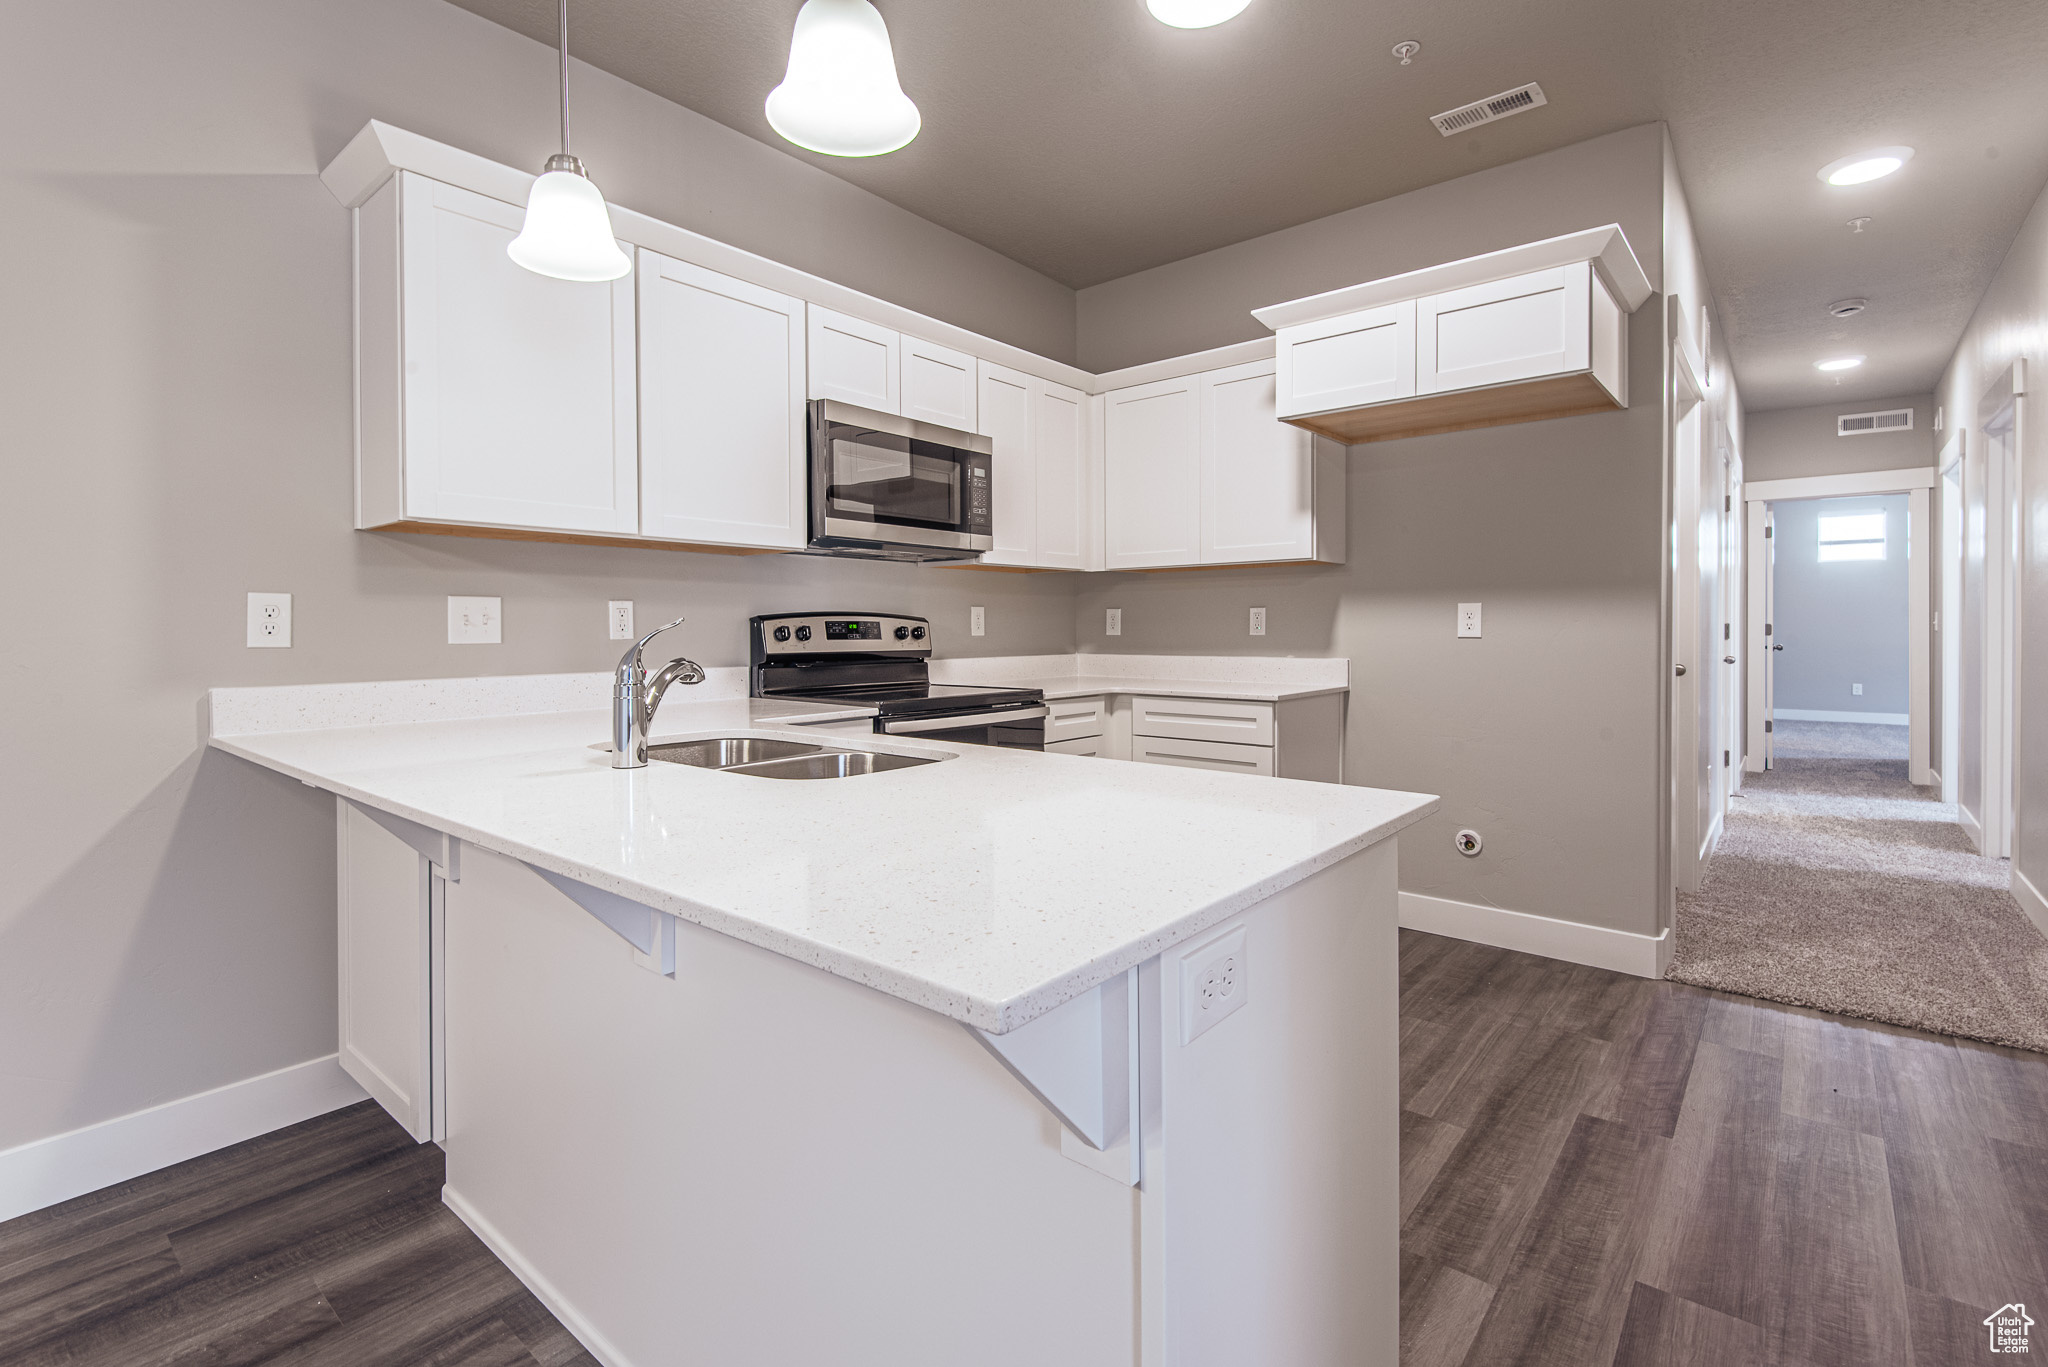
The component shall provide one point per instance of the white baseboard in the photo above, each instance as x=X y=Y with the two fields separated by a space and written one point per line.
x=1646 y=956
x=1860 y=718
x=2030 y=899
x=543 y=1290
x=1972 y=827
x=44 y=1172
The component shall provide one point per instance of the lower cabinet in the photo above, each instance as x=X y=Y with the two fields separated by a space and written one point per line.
x=387 y=900
x=1203 y=754
x=1299 y=738
x=1081 y=745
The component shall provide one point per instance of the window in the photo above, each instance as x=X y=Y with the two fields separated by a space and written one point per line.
x=1852 y=536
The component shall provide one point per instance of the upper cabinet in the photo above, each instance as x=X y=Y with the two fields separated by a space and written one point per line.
x=876 y=367
x=722 y=424
x=1515 y=336
x=489 y=394
x=938 y=385
x=1151 y=470
x=1040 y=466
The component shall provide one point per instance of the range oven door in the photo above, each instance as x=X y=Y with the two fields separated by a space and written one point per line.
x=888 y=486
x=1020 y=728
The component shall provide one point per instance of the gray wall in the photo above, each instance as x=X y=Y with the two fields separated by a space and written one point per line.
x=1793 y=443
x=1545 y=733
x=175 y=384
x=1842 y=622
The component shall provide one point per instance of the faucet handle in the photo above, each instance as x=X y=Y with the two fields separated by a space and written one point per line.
x=631 y=659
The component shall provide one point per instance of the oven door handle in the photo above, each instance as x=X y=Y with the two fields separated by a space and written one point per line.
x=910 y=726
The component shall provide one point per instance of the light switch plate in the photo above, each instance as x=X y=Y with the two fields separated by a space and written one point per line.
x=1112 y=621
x=270 y=619
x=619 y=614
x=475 y=621
x=1468 y=619
x=1212 y=983
x=977 y=622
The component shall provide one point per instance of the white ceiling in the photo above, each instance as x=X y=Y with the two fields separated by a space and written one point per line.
x=1087 y=140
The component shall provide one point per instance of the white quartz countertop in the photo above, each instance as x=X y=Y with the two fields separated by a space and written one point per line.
x=989 y=887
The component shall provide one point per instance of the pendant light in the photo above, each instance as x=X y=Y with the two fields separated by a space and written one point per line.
x=840 y=95
x=1200 y=13
x=568 y=230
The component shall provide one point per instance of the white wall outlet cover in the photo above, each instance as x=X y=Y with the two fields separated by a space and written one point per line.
x=619 y=617
x=475 y=621
x=1112 y=621
x=1212 y=983
x=1856 y=690
x=977 y=622
x=1258 y=621
x=1468 y=619
x=270 y=619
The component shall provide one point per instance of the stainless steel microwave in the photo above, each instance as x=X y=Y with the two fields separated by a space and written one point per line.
x=892 y=488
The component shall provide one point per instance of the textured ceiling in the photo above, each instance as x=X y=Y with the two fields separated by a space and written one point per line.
x=1088 y=141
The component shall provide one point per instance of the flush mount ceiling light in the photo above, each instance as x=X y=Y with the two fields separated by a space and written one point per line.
x=1839 y=363
x=568 y=230
x=1875 y=164
x=840 y=95
x=1195 y=13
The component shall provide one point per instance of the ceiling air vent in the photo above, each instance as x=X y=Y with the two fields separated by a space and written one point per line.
x=1863 y=424
x=1501 y=106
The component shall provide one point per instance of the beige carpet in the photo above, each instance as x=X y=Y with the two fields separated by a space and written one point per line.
x=1839 y=885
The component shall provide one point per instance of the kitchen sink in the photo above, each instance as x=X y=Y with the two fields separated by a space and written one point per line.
x=833 y=764
x=724 y=752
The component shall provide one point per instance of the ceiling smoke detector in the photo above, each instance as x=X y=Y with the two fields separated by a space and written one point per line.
x=1507 y=104
x=1847 y=308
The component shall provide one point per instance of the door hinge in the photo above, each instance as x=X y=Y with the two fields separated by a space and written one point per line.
x=1767 y=726
x=1767 y=533
x=1767 y=628
x=1727 y=628
x=1724 y=759
x=1727 y=503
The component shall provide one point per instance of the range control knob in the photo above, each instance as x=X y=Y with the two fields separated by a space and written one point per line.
x=803 y=633
x=903 y=633
x=782 y=633
x=917 y=633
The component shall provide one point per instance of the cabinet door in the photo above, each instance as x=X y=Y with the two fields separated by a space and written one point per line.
x=938 y=385
x=855 y=361
x=384 y=921
x=1005 y=409
x=1059 y=441
x=1085 y=745
x=1075 y=719
x=1152 y=474
x=1258 y=473
x=1348 y=362
x=1204 y=754
x=1516 y=329
x=722 y=408
x=519 y=405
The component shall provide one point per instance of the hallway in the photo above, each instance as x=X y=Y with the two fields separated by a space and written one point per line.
x=1840 y=885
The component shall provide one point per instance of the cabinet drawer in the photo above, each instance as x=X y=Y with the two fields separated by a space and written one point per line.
x=1239 y=723
x=1080 y=745
x=1204 y=754
x=1073 y=718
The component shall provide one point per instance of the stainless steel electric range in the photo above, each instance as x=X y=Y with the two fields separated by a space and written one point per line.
x=883 y=661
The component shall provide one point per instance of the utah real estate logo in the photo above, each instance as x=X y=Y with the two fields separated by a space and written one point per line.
x=2008 y=1326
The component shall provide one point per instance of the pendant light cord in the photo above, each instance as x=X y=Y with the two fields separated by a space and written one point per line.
x=564 y=7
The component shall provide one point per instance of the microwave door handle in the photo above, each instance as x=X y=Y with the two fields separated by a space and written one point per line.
x=910 y=726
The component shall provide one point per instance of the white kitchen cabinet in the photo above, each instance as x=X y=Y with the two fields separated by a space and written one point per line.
x=1096 y=746
x=1005 y=409
x=1041 y=488
x=1270 y=491
x=1152 y=474
x=1244 y=723
x=722 y=421
x=385 y=894
x=1295 y=738
x=487 y=394
x=1070 y=719
x=1347 y=362
x=1520 y=328
x=938 y=385
x=855 y=361
x=1204 y=754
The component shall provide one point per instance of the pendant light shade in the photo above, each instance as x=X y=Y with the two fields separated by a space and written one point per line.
x=1195 y=13
x=568 y=230
x=840 y=95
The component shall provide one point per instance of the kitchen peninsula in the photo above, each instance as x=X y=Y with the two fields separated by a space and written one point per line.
x=1002 y=1057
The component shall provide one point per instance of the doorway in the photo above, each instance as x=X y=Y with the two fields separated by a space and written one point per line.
x=1948 y=621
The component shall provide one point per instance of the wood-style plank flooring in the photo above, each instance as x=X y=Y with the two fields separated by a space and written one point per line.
x=1605 y=1171
x=1596 y=1171
x=325 y=1243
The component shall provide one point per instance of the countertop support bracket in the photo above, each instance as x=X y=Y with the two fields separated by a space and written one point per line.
x=651 y=933
x=438 y=848
x=1081 y=1060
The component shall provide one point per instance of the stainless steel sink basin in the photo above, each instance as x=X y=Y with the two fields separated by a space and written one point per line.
x=724 y=752
x=833 y=764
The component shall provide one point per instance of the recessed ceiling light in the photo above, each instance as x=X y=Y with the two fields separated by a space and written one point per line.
x=1875 y=164
x=1195 y=13
x=1848 y=308
x=1839 y=363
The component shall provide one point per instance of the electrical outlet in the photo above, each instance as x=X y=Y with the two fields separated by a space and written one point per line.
x=977 y=622
x=270 y=619
x=620 y=615
x=1856 y=689
x=1468 y=619
x=1258 y=621
x=1112 y=621
x=1212 y=983
x=475 y=621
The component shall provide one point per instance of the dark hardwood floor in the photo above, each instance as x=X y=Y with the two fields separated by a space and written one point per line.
x=1596 y=1171
x=325 y=1243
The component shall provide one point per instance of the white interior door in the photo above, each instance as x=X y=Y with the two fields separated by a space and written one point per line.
x=1691 y=685
x=1756 y=632
x=1984 y=791
x=1948 y=620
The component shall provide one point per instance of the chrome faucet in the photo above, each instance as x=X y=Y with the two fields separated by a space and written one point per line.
x=635 y=696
